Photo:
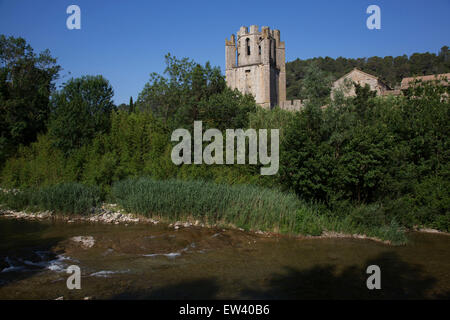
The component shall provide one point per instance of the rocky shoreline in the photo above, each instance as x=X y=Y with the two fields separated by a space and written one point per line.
x=111 y=214
x=107 y=213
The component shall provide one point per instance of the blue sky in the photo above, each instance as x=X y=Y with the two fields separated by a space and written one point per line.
x=126 y=40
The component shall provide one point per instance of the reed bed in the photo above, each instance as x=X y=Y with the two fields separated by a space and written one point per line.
x=64 y=198
x=244 y=206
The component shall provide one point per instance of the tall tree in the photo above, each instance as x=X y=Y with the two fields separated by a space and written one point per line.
x=26 y=81
x=131 y=106
x=177 y=95
x=80 y=111
x=316 y=85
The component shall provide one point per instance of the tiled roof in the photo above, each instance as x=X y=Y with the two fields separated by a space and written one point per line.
x=357 y=70
x=407 y=81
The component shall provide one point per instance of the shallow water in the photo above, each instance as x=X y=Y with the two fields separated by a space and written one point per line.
x=157 y=262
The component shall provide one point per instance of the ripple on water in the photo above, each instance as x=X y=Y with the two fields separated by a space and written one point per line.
x=171 y=254
x=168 y=255
x=58 y=264
x=108 y=273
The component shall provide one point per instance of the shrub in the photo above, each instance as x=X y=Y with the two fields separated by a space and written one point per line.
x=368 y=215
x=308 y=221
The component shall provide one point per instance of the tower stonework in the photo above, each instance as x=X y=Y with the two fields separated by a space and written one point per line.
x=255 y=64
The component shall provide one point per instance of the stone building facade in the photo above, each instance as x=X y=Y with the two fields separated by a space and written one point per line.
x=346 y=83
x=255 y=64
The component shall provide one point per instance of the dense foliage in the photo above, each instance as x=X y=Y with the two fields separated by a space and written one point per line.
x=80 y=111
x=192 y=92
x=391 y=152
x=26 y=81
x=91 y=141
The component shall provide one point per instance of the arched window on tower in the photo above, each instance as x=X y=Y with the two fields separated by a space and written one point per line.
x=259 y=47
x=247 y=44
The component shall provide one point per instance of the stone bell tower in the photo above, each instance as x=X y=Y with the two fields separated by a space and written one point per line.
x=255 y=64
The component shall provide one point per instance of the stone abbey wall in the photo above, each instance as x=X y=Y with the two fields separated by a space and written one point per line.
x=345 y=83
x=292 y=105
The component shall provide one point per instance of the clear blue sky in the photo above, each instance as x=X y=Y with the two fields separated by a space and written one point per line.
x=126 y=40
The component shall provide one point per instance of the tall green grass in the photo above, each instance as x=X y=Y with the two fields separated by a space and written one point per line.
x=245 y=206
x=64 y=198
x=390 y=231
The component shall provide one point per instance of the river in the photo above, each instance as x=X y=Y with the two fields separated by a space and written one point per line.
x=142 y=261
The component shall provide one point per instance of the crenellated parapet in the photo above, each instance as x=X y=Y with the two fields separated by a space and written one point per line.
x=231 y=42
x=292 y=105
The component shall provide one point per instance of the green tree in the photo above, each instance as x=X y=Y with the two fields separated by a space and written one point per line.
x=26 y=81
x=316 y=85
x=131 y=106
x=80 y=111
x=188 y=91
x=227 y=109
x=165 y=95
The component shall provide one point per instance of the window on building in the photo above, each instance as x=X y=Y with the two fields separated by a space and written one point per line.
x=247 y=43
x=259 y=47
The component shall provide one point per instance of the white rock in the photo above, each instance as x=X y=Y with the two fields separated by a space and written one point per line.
x=86 y=241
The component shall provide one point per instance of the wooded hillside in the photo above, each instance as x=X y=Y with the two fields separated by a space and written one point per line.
x=389 y=69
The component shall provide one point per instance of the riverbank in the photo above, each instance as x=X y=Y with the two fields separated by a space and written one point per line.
x=113 y=214
x=179 y=203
